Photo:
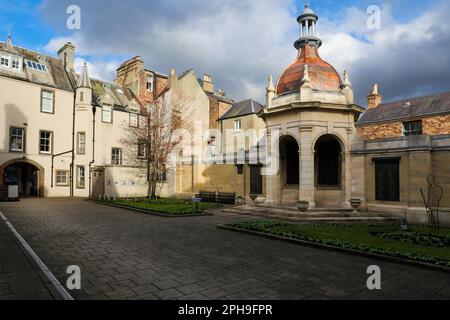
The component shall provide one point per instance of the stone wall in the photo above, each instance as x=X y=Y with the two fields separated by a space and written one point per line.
x=420 y=157
x=192 y=179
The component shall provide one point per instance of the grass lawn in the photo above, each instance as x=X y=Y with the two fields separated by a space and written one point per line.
x=364 y=238
x=165 y=206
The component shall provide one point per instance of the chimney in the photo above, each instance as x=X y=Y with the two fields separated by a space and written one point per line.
x=67 y=55
x=374 y=99
x=208 y=85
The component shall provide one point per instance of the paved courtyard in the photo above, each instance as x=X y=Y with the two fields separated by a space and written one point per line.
x=128 y=255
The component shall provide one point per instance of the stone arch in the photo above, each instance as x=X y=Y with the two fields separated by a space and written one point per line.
x=40 y=169
x=337 y=136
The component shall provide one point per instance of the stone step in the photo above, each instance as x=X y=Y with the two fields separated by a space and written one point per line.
x=315 y=217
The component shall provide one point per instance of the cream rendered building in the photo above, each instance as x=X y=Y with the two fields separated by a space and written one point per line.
x=48 y=125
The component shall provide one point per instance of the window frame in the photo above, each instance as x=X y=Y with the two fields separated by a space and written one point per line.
x=4 y=57
x=137 y=119
x=113 y=162
x=53 y=101
x=236 y=127
x=23 y=150
x=81 y=184
x=141 y=144
x=50 y=152
x=79 y=151
x=152 y=83
x=407 y=132
x=66 y=174
x=110 y=112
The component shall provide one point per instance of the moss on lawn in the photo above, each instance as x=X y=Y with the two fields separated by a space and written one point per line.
x=165 y=206
x=356 y=237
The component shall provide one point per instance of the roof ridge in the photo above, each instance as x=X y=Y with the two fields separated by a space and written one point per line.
x=415 y=98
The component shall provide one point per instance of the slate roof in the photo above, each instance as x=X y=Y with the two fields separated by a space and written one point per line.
x=55 y=77
x=407 y=109
x=242 y=108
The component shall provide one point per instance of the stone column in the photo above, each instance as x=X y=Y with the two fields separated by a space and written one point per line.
x=347 y=183
x=306 y=192
x=271 y=171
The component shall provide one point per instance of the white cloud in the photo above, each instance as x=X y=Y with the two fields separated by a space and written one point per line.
x=240 y=42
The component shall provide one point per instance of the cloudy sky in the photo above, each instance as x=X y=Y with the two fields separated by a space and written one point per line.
x=241 y=42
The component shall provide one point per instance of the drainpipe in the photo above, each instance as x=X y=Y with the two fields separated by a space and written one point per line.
x=94 y=110
x=53 y=163
x=72 y=164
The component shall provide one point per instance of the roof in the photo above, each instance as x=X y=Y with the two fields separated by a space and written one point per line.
x=407 y=109
x=54 y=77
x=57 y=77
x=323 y=76
x=243 y=108
x=221 y=98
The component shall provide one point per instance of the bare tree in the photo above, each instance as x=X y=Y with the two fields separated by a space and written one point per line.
x=150 y=142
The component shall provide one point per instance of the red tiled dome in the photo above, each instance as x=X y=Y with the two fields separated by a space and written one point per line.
x=323 y=76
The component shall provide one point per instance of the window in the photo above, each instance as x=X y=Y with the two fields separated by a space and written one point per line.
x=81 y=96
x=237 y=125
x=116 y=158
x=387 y=179
x=142 y=150
x=134 y=120
x=15 y=63
x=47 y=101
x=412 y=128
x=4 y=61
x=62 y=178
x=17 y=140
x=162 y=174
x=36 y=66
x=81 y=177
x=107 y=114
x=45 y=143
x=150 y=83
x=81 y=143
x=240 y=169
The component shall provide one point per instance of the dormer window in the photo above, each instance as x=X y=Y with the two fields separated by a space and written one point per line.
x=15 y=63
x=4 y=61
x=10 y=61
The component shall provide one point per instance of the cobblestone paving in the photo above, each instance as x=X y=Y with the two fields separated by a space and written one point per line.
x=128 y=255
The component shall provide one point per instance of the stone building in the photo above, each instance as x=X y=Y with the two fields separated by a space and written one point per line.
x=401 y=144
x=310 y=117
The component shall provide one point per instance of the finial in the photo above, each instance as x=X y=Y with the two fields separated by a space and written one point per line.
x=172 y=72
x=306 y=74
x=375 y=89
x=270 y=86
x=347 y=82
x=8 y=41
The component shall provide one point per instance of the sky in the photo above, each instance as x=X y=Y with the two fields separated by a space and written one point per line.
x=240 y=42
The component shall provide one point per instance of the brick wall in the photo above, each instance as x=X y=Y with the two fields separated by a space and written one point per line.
x=436 y=125
x=432 y=126
x=381 y=131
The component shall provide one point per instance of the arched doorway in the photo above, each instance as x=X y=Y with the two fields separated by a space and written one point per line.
x=27 y=174
x=289 y=169
x=328 y=171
